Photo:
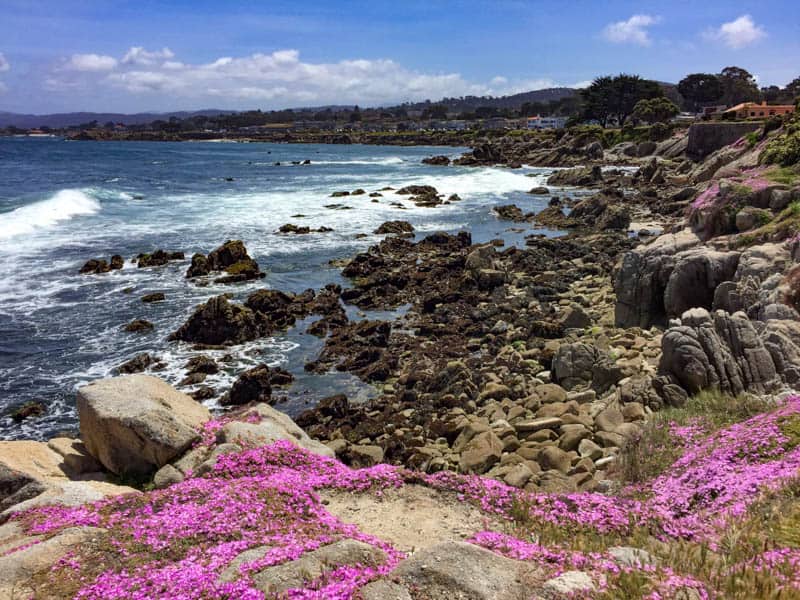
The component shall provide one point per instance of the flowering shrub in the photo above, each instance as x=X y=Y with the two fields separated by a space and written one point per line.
x=175 y=543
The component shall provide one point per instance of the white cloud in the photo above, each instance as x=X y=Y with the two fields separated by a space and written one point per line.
x=279 y=79
x=4 y=64
x=139 y=56
x=633 y=31
x=90 y=62
x=738 y=33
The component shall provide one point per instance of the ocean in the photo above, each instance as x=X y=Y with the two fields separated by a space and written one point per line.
x=62 y=203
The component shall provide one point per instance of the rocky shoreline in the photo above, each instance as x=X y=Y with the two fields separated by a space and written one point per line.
x=533 y=366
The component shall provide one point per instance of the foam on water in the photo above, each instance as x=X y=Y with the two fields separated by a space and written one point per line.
x=62 y=206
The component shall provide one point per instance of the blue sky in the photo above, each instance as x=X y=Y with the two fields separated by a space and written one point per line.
x=140 y=56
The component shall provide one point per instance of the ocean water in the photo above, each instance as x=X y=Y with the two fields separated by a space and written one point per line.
x=62 y=203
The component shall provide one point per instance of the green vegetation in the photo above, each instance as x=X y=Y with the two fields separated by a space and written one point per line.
x=655 y=110
x=784 y=148
x=655 y=450
x=785 y=175
x=612 y=99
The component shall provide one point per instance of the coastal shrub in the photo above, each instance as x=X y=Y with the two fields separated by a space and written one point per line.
x=784 y=149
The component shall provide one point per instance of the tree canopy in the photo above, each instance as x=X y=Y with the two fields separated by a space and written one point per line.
x=612 y=99
x=655 y=110
x=700 y=88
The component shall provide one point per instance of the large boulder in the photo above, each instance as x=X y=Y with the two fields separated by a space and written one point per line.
x=60 y=471
x=719 y=350
x=135 y=424
x=272 y=426
x=218 y=322
x=579 y=364
x=459 y=570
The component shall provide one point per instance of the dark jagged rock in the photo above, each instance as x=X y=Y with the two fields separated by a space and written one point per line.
x=27 y=410
x=139 y=326
x=395 y=227
x=117 y=262
x=137 y=364
x=220 y=322
x=157 y=258
x=154 y=297
x=437 y=160
x=202 y=364
x=578 y=176
x=511 y=212
x=94 y=266
x=251 y=386
x=299 y=229
x=232 y=258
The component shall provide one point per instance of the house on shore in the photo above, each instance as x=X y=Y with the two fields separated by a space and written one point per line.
x=539 y=122
x=753 y=110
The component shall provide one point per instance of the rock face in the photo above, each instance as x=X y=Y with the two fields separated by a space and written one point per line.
x=641 y=279
x=695 y=277
x=717 y=351
x=135 y=424
x=218 y=322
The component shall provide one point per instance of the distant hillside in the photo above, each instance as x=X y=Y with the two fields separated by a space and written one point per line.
x=515 y=101
x=77 y=118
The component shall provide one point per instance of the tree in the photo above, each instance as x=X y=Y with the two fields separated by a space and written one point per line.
x=655 y=110
x=355 y=116
x=792 y=89
x=436 y=111
x=700 y=88
x=738 y=86
x=613 y=98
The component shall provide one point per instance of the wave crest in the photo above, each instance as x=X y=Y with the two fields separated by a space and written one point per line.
x=62 y=206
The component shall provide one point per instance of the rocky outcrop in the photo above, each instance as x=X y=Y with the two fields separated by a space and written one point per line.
x=99 y=265
x=135 y=424
x=231 y=257
x=402 y=228
x=578 y=176
x=157 y=258
x=722 y=351
x=219 y=322
x=255 y=385
x=695 y=277
x=641 y=279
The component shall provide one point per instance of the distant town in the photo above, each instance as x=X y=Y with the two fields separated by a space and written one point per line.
x=609 y=102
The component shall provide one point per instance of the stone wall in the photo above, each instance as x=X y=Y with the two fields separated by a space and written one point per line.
x=705 y=138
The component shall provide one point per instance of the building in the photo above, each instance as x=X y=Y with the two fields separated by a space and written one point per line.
x=496 y=123
x=539 y=122
x=752 y=110
x=714 y=110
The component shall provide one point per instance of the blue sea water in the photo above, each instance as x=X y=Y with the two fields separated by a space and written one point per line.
x=62 y=203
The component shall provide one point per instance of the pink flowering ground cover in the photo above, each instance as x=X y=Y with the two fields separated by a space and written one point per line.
x=175 y=543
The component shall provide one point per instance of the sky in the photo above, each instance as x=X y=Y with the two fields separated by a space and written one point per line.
x=139 y=56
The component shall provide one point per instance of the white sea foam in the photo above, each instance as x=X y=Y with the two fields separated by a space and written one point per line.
x=62 y=206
